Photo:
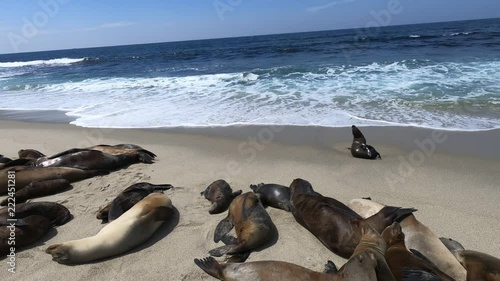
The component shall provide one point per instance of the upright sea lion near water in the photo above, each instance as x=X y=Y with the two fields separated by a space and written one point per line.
x=420 y=238
x=26 y=175
x=253 y=224
x=332 y=222
x=274 y=195
x=359 y=148
x=30 y=154
x=27 y=231
x=221 y=195
x=56 y=213
x=399 y=258
x=128 y=198
x=39 y=189
x=128 y=231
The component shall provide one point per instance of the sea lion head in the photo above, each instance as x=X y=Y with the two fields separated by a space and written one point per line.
x=218 y=186
x=357 y=135
x=30 y=154
x=393 y=234
x=370 y=239
x=300 y=186
x=59 y=252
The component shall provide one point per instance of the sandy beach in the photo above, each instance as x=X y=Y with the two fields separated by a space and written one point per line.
x=450 y=177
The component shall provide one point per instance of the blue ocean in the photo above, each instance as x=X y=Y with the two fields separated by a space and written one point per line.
x=441 y=75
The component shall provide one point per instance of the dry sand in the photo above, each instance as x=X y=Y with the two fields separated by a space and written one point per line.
x=455 y=190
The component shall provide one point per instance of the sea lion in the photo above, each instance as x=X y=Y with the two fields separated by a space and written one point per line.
x=452 y=245
x=332 y=222
x=56 y=213
x=146 y=156
x=274 y=195
x=94 y=160
x=420 y=238
x=128 y=231
x=359 y=148
x=253 y=224
x=39 y=189
x=221 y=195
x=4 y=160
x=26 y=175
x=30 y=154
x=399 y=258
x=27 y=231
x=128 y=198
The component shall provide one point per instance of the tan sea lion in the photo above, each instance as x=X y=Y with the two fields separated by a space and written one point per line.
x=39 y=189
x=221 y=195
x=399 y=258
x=332 y=222
x=131 y=229
x=254 y=228
x=26 y=175
x=420 y=238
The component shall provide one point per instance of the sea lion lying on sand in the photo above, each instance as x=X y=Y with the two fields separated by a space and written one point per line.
x=221 y=195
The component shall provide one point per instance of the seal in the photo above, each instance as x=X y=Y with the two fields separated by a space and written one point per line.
x=359 y=148
x=56 y=213
x=30 y=154
x=221 y=195
x=332 y=222
x=128 y=198
x=134 y=227
x=39 y=189
x=4 y=160
x=27 y=175
x=274 y=195
x=146 y=156
x=27 y=231
x=479 y=266
x=420 y=238
x=254 y=228
x=399 y=258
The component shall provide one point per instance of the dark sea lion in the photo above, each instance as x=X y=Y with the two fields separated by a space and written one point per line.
x=26 y=175
x=145 y=156
x=56 y=213
x=221 y=195
x=4 y=160
x=254 y=227
x=27 y=231
x=399 y=258
x=131 y=229
x=332 y=222
x=129 y=197
x=359 y=148
x=274 y=195
x=39 y=189
x=30 y=154
x=94 y=160
x=420 y=238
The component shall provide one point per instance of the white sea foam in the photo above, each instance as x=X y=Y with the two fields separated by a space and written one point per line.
x=61 y=61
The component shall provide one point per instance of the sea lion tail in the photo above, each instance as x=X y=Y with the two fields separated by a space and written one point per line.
x=330 y=267
x=210 y=266
x=418 y=275
x=402 y=213
x=148 y=153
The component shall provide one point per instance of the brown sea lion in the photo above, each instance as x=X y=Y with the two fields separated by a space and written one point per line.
x=420 y=238
x=39 y=189
x=30 y=154
x=332 y=222
x=146 y=156
x=359 y=148
x=128 y=198
x=56 y=213
x=131 y=229
x=399 y=258
x=274 y=195
x=26 y=231
x=254 y=227
x=221 y=195
x=26 y=175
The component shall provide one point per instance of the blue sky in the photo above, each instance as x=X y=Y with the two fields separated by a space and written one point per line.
x=62 y=24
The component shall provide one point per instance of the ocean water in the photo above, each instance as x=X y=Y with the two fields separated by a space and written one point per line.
x=443 y=75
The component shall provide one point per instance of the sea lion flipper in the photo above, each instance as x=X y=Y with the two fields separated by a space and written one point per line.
x=222 y=229
x=237 y=193
x=285 y=206
x=220 y=251
x=161 y=213
x=330 y=267
x=229 y=240
x=403 y=213
x=418 y=275
x=145 y=157
x=102 y=214
x=210 y=266
x=238 y=258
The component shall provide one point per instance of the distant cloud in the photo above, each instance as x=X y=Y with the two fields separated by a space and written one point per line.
x=316 y=9
x=118 y=24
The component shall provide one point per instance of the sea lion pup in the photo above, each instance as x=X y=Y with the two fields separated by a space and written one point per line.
x=128 y=198
x=30 y=154
x=27 y=231
x=420 y=238
x=56 y=213
x=128 y=231
x=274 y=195
x=39 y=189
x=27 y=175
x=253 y=224
x=359 y=148
x=221 y=195
x=332 y=222
x=479 y=266
x=399 y=258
